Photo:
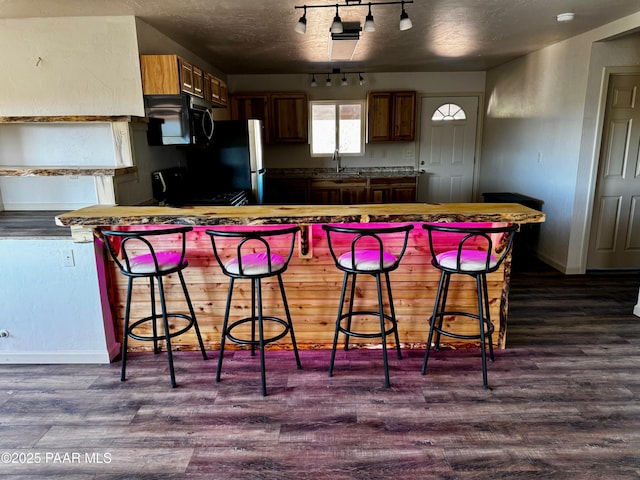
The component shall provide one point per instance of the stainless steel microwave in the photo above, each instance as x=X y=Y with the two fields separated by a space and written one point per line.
x=178 y=120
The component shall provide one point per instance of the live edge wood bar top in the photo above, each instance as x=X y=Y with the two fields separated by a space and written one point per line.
x=101 y=215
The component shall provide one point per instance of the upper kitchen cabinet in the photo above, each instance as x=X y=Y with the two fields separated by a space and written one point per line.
x=172 y=74
x=392 y=116
x=215 y=90
x=289 y=118
x=284 y=114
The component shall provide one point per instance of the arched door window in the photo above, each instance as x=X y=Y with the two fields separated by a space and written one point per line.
x=448 y=112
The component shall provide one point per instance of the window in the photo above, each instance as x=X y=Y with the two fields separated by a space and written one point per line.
x=447 y=112
x=337 y=125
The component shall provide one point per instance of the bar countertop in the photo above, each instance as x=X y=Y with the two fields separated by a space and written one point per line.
x=105 y=215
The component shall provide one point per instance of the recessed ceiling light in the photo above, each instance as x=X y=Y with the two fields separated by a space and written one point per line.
x=565 y=17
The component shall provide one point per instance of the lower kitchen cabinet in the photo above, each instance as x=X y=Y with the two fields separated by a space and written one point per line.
x=344 y=191
x=392 y=190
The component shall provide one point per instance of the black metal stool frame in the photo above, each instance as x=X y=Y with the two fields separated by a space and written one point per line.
x=125 y=267
x=359 y=236
x=247 y=241
x=494 y=255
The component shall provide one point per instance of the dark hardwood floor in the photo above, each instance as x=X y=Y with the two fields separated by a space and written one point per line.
x=564 y=404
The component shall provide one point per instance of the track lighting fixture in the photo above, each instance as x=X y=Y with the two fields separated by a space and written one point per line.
x=369 y=25
x=343 y=80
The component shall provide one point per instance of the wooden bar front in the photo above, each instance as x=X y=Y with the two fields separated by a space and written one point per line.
x=312 y=281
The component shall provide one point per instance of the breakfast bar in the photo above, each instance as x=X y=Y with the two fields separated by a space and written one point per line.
x=312 y=282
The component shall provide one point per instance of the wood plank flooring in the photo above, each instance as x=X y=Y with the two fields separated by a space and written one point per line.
x=564 y=404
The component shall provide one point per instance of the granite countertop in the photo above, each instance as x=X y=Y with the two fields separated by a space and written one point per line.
x=368 y=172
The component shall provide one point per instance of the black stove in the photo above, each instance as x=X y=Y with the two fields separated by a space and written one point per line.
x=173 y=187
x=226 y=198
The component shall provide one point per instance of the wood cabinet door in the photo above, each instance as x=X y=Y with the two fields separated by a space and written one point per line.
x=198 y=81
x=393 y=190
x=289 y=118
x=224 y=95
x=353 y=194
x=379 y=116
x=186 y=75
x=404 y=116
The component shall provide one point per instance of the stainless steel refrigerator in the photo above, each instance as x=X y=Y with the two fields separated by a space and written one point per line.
x=232 y=161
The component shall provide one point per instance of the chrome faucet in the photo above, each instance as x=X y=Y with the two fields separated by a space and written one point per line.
x=336 y=158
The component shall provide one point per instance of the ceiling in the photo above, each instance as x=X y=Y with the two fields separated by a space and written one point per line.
x=257 y=36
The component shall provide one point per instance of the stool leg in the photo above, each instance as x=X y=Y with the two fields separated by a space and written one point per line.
x=154 y=326
x=443 y=305
x=225 y=322
x=288 y=314
x=483 y=346
x=261 y=338
x=193 y=314
x=351 y=298
x=253 y=316
x=387 y=383
x=125 y=332
x=337 y=331
x=432 y=325
x=167 y=337
x=487 y=316
x=393 y=314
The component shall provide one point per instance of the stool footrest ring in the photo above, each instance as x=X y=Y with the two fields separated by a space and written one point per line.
x=254 y=319
x=488 y=331
x=394 y=325
x=151 y=318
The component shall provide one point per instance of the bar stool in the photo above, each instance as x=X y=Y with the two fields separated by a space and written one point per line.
x=366 y=254
x=480 y=250
x=254 y=258
x=140 y=259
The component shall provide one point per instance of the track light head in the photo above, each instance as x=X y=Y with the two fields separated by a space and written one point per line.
x=361 y=79
x=344 y=82
x=336 y=26
x=313 y=80
x=328 y=82
x=405 y=21
x=301 y=26
x=369 y=25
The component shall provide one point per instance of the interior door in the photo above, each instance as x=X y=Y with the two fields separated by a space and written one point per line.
x=447 y=149
x=614 y=241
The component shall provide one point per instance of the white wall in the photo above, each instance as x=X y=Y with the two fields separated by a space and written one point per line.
x=53 y=313
x=376 y=155
x=69 y=66
x=614 y=56
x=534 y=132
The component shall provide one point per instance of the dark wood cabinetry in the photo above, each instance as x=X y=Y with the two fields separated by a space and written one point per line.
x=284 y=114
x=392 y=190
x=391 y=116
x=172 y=74
x=344 y=191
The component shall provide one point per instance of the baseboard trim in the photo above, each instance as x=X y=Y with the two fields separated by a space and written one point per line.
x=101 y=357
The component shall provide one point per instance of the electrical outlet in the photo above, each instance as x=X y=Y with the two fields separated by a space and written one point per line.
x=67 y=258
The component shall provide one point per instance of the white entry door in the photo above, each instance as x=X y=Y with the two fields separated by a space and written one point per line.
x=448 y=127
x=614 y=241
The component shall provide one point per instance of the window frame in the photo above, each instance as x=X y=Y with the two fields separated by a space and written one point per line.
x=337 y=104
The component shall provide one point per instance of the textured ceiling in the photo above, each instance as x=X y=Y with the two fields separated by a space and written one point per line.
x=257 y=36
